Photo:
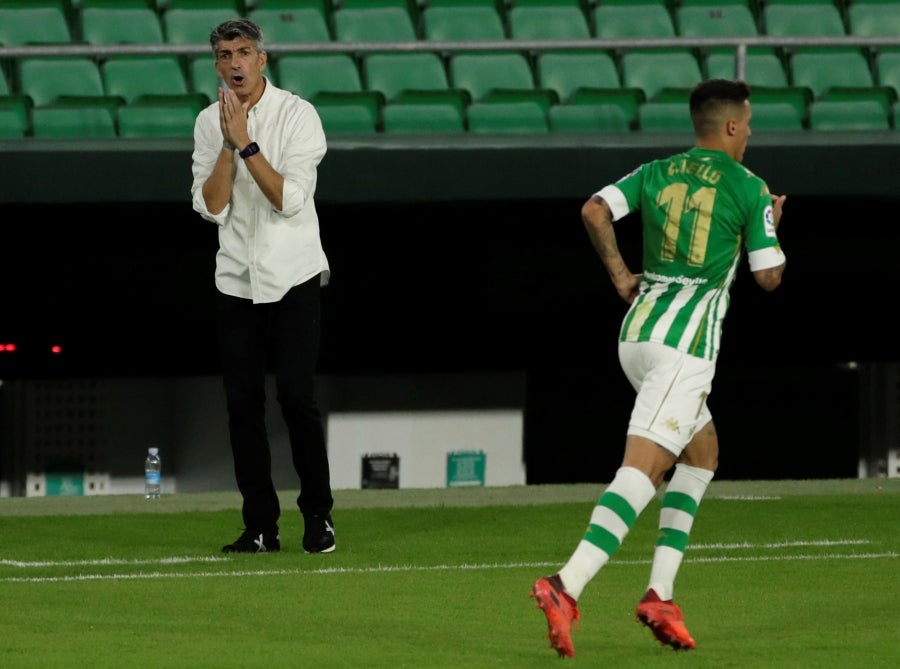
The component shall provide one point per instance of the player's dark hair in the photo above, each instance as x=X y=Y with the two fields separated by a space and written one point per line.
x=710 y=97
x=237 y=29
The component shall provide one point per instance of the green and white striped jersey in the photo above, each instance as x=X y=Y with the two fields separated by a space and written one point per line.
x=699 y=210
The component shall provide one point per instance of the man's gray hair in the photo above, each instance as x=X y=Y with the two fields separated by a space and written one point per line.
x=236 y=29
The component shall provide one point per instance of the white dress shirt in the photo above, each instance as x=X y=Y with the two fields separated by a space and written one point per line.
x=264 y=252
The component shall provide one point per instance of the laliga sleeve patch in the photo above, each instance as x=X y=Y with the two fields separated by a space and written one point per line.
x=769 y=221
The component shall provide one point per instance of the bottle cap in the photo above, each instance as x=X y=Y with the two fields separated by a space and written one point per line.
x=153 y=451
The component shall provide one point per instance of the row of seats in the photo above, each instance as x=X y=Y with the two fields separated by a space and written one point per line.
x=557 y=75
x=155 y=118
x=284 y=21
x=367 y=92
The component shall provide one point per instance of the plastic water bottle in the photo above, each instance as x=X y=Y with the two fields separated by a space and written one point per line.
x=152 y=467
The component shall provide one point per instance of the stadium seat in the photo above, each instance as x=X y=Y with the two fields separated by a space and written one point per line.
x=615 y=21
x=292 y=24
x=373 y=24
x=133 y=76
x=664 y=116
x=734 y=20
x=775 y=116
x=626 y=99
x=567 y=71
x=43 y=79
x=15 y=115
x=120 y=25
x=802 y=20
x=193 y=24
x=156 y=116
x=824 y=68
x=33 y=23
x=852 y=116
x=479 y=73
x=588 y=118
x=76 y=121
x=887 y=66
x=346 y=116
x=866 y=18
x=392 y=73
x=651 y=70
x=464 y=22
x=203 y=78
x=798 y=97
x=507 y=117
x=553 y=21
x=762 y=67
x=308 y=74
x=404 y=117
x=885 y=96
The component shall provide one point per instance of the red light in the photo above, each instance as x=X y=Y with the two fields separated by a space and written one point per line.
x=7 y=347
x=56 y=349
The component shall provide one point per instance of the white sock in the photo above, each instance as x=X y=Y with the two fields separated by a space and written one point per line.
x=676 y=517
x=613 y=516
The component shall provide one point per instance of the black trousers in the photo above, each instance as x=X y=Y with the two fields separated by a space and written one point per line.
x=283 y=336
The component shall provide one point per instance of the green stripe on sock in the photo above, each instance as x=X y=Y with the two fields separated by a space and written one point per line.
x=619 y=506
x=603 y=539
x=673 y=539
x=680 y=501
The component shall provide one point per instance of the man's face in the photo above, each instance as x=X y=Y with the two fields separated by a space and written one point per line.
x=241 y=65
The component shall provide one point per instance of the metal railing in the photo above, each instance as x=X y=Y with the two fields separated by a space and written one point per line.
x=739 y=44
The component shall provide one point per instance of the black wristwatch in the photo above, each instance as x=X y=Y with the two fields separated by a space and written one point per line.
x=249 y=150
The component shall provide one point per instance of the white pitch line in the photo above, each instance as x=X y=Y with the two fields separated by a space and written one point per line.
x=413 y=568
x=780 y=544
x=109 y=561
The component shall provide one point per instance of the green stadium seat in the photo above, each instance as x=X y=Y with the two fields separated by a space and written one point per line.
x=479 y=73
x=664 y=117
x=15 y=115
x=392 y=73
x=193 y=24
x=203 y=78
x=614 y=21
x=43 y=79
x=627 y=99
x=73 y=121
x=11 y=124
x=567 y=71
x=798 y=97
x=547 y=21
x=373 y=24
x=300 y=24
x=762 y=67
x=588 y=118
x=155 y=116
x=120 y=25
x=465 y=22
x=803 y=20
x=308 y=74
x=346 y=116
x=651 y=70
x=824 y=68
x=133 y=76
x=716 y=21
x=507 y=117
x=886 y=96
x=404 y=117
x=873 y=19
x=887 y=66
x=33 y=23
x=854 y=116
x=775 y=116
x=453 y=97
x=544 y=98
